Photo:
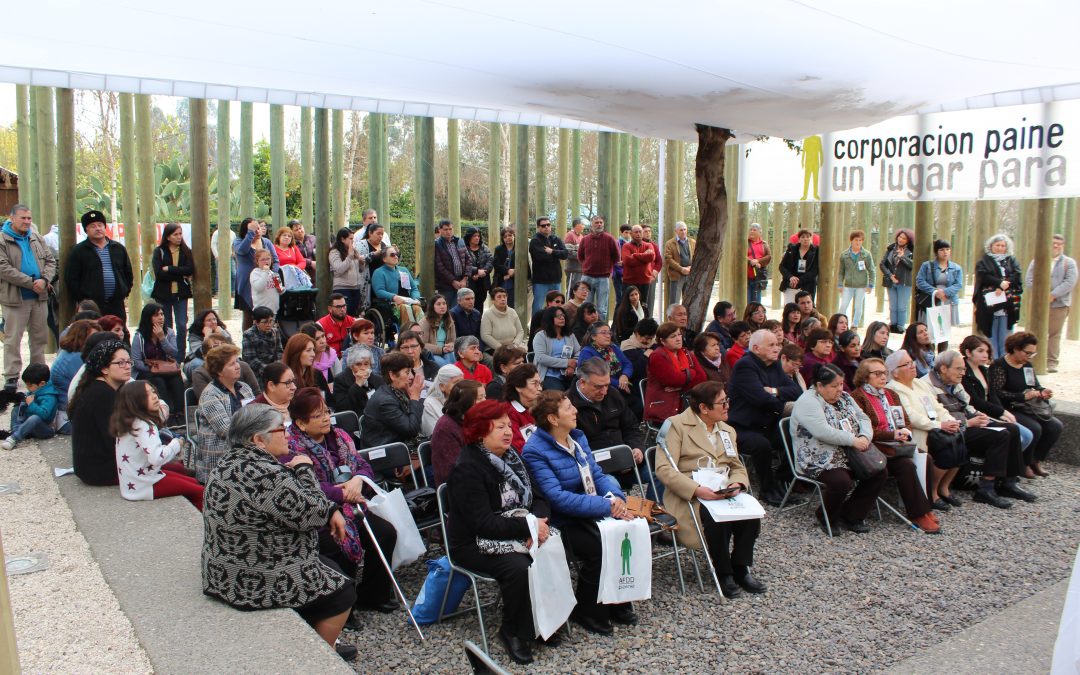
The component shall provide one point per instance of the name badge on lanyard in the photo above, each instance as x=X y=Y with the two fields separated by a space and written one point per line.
x=897 y=415
x=862 y=265
x=1029 y=376
x=845 y=424
x=801 y=267
x=931 y=412
x=729 y=447
x=405 y=281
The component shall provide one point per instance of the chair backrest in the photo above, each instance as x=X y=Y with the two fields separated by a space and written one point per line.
x=789 y=446
x=617 y=459
x=650 y=464
x=423 y=452
x=388 y=457
x=190 y=399
x=191 y=421
x=348 y=421
x=440 y=501
x=641 y=390
x=530 y=357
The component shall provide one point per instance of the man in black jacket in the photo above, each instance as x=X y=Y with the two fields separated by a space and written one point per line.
x=99 y=269
x=606 y=419
x=546 y=251
x=758 y=390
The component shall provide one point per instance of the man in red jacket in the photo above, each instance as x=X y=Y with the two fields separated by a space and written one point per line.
x=657 y=265
x=638 y=257
x=598 y=254
x=337 y=322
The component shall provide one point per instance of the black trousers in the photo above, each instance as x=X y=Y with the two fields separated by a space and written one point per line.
x=170 y=388
x=582 y=537
x=763 y=445
x=1046 y=434
x=375 y=587
x=907 y=484
x=511 y=570
x=114 y=306
x=1000 y=450
x=728 y=559
x=842 y=501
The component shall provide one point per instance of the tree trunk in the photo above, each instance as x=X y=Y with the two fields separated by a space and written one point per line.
x=604 y=180
x=144 y=150
x=247 y=164
x=33 y=170
x=224 y=202
x=350 y=174
x=575 y=174
x=453 y=174
x=321 y=172
x=522 y=229
x=65 y=127
x=512 y=195
x=712 y=209
x=307 y=214
x=1040 y=290
x=540 y=159
x=200 y=203
x=923 y=249
x=495 y=171
x=634 y=215
x=1072 y=234
x=25 y=139
x=277 y=169
x=46 y=139
x=425 y=179
x=375 y=122
x=337 y=152
x=680 y=177
x=129 y=197
x=562 y=196
x=671 y=187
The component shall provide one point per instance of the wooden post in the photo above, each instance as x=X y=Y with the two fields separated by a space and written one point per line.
x=1031 y=217
x=144 y=160
x=562 y=195
x=129 y=204
x=603 y=180
x=671 y=188
x=1072 y=235
x=337 y=159
x=307 y=213
x=200 y=203
x=731 y=180
x=277 y=168
x=33 y=168
x=66 y=216
x=224 y=206
x=783 y=218
x=9 y=652
x=963 y=239
x=540 y=160
x=520 y=169
x=46 y=140
x=512 y=195
x=375 y=122
x=494 y=182
x=1040 y=290
x=321 y=172
x=827 y=299
x=634 y=215
x=247 y=166
x=453 y=176
x=924 y=244
x=624 y=182
x=575 y=174
x=680 y=178
x=24 y=141
x=425 y=246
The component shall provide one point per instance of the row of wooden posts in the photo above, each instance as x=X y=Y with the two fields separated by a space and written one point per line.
x=46 y=138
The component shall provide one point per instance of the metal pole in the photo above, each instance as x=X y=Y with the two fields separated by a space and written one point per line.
x=393 y=580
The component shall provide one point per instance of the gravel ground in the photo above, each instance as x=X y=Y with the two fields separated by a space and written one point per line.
x=857 y=603
x=67 y=620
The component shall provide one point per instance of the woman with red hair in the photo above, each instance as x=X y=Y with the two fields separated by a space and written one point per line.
x=490 y=492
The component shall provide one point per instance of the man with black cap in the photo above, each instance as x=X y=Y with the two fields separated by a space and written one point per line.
x=99 y=269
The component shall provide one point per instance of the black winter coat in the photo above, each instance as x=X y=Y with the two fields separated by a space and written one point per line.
x=789 y=266
x=163 y=280
x=987 y=278
x=82 y=273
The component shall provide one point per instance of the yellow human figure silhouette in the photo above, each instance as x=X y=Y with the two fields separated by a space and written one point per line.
x=812 y=159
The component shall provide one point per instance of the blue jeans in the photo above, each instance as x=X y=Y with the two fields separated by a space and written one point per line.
x=352 y=299
x=857 y=298
x=899 y=304
x=1025 y=436
x=554 y=383
x=447 y=359
x=508 y=284
x=539 y=292
x=599 y=289
x=29 y=426
x=616 y=281
x=753 y=292
x=998 y=332
x=177 y=308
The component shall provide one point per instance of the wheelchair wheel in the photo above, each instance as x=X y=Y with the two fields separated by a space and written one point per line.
x=383 y=322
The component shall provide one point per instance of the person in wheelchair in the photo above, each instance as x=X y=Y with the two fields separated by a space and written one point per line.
x=396 y=288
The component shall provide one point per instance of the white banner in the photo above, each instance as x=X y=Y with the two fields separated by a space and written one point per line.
x=116 y=232
x=1012 y=152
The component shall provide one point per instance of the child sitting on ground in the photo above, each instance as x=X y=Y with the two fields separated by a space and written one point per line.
x=34 y=417
x=142 y=457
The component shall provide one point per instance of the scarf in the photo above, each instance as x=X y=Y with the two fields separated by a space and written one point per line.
x=516 y=488
x=608 y=354
x=29 y=264
x=879 y=401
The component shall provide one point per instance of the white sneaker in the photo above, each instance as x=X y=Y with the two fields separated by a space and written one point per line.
x=8 y=443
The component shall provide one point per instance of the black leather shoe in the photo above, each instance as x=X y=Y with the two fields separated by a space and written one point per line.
x=346 y=652
x=382 y=607
x=592 y=624
x=1010 y=487
x=775 y=497
x=953 y=500
x=516 y=648
x=624 y=615
x=749 y=583
x=554 y=641
x=858 y=526
x=991 y=497
x=353 y=623
x=729 y=587
x=941 y=505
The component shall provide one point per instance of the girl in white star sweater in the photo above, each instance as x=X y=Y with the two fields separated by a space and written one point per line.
x=142 y=460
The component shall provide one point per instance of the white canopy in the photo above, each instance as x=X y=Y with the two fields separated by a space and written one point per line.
x=778 y=67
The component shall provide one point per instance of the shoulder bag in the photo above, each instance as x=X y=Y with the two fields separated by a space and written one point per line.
x=866 y=463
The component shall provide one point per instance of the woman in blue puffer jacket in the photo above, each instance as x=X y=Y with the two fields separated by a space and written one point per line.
x=579 y=493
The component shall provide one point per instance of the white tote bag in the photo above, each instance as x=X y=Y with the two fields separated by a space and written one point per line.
x=939 y=322
x=626 y=566
x=550 y=591
x=392 y=507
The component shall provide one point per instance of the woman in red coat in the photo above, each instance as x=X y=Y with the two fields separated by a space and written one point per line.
x=672 y=371
x=288 y=252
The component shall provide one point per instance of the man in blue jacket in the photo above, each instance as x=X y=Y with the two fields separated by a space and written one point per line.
x=758 y=391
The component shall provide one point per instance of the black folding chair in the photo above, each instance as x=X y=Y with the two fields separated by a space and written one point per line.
x=348 y=421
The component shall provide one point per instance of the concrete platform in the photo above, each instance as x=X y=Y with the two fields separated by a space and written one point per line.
x=1020 y=639
x=1067 y=448
x=149 y=553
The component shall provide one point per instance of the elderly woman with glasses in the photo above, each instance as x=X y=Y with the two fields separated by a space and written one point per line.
x=261 y=517
x=395 y=287
x=599 y=345
x=700 y=436
x=824 y=422
x=338 y=468
x=1013 y=378
x=893 y=438
x=356 y=381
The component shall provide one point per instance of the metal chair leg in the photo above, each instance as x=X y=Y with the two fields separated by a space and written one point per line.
x=480 y=618
x=897 y=514
x=697 y=569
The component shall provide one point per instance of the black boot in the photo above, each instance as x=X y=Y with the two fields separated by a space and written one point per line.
x=1010 y=487
x=985 y=494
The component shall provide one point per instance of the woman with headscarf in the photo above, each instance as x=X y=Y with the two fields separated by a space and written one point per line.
x=108 y=367
x=999 y=283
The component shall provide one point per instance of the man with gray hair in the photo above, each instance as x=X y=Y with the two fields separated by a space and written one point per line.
x=678 y=252
x=678 y=315
x=27 y=265
x=998 y=443
x=465 y=315
x=1063 y=277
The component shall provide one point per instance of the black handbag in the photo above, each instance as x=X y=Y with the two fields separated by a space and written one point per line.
x=421 y=502
x=865 y=463
x=947 y=450
x=900 y=449
x=1039 y=408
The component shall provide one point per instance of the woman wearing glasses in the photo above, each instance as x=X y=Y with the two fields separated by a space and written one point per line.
x=108 y=367
x=395 y=288
x=1013 y=378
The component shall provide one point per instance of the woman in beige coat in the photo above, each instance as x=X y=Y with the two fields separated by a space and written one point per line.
x=697 y=436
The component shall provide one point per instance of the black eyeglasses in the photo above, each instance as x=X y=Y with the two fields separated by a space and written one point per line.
x=338 y=306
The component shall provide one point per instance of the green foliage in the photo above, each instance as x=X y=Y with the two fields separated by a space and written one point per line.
x=403 y=205
x=93 y=197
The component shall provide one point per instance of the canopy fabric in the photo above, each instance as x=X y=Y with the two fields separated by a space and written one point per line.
x=785 y=68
